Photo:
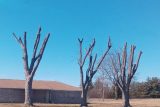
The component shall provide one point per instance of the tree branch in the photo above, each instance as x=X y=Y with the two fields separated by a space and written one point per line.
x=34 y=57
x=131 y=58
x=40 y=54
x=136 y=65
x=139 y=56
x=95 y=58
x=25 y=54
x=88 y=51
x=124 y=58
x=19 y=40
x=80 y=62
x=103 y=56
x=36 y=43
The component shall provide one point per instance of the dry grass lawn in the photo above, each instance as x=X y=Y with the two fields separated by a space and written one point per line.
x=118 y=103
x=99 y=103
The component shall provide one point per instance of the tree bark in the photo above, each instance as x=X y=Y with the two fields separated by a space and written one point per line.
x=126 y=102
x=28 y=92
x=84 y=98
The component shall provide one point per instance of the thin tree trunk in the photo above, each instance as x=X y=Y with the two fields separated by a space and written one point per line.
x=103 y=94
x=28 y=92
x=84 y=98
x=116 y=92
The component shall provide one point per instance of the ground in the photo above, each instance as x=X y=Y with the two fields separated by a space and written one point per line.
x=99 y=103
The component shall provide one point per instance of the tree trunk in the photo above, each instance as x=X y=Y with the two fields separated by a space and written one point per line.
x=116 y=92
x=28 y=92
x=103 y=94
x=126 y=98
x=84 y=98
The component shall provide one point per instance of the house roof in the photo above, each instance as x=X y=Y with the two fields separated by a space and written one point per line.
x=37 y=84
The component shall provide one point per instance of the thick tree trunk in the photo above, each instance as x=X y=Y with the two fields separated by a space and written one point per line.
x=126 y=102
x=28 y=92
x=84 y=98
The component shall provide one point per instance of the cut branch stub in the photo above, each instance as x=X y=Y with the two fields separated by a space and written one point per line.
x=109 y=43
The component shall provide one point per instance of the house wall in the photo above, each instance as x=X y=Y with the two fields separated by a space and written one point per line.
x=41 y=96
x=11 y=95
x=65 y=97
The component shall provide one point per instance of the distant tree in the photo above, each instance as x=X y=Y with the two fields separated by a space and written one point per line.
x=103 y=82
x=119 y=74
x=101 y=89
x=30 y=70
x=96 y=91
x=107 y=73
x=138 y=90
x=117 y=91
x=91 y=69
x=148 y=89
x=153 y=87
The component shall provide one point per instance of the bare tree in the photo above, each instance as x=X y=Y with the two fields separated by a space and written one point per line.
x=117 y=91
x=103 y=82
x=126 y=71
x=102 y=78
x=106 y=72
x=30 y=70
x=91 y=69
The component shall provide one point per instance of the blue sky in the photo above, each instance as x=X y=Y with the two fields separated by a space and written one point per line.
x=134 y=21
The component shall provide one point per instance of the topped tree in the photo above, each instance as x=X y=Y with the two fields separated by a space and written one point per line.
x=30 y=69
x=92 y=67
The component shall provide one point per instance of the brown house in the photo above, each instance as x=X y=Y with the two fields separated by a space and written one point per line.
x=12 y=91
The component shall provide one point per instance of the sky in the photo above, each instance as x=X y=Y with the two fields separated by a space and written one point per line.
x=135 y=21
